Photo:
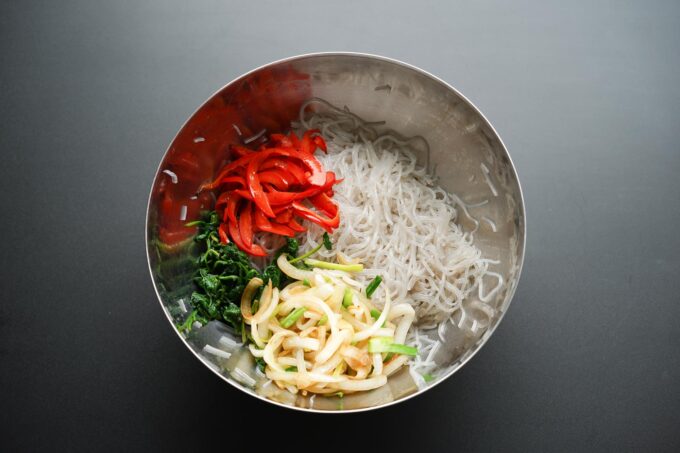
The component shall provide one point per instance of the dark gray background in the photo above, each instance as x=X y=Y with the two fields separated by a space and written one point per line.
x=584 y=94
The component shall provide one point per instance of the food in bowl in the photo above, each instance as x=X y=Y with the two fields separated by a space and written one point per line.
x=335 y=256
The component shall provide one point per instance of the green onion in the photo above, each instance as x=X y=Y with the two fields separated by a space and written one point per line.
x=375 y=314
x=292 y=317
x=370 y=289
x=327 y=241
x=386 y=344
x=335 y=266
x=347 y=298
x=292 y=369
x=306 y=282
x=323 y=320
x=194 y=223
x=306 y=255
x=388 y=357
x=427 y=377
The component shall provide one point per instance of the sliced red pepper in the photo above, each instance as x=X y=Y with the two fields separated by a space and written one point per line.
x=229 y=168
x=222 y=199
x=234 y=179
x=323 y=203
x=294 y=139
x=281 y=230
x=279 y=179
x=232 y=203
x=284 y=217
x=262 y=223
x=245 y=224
x=296 y=226
x=328 y=224
x=321 y=143
x=317 y=176
x=254 y=185
x=291 y=167
x=255 y=250
x=222 y=231
x=260 y=220
x=277 y=198
x=307 y=145
x=282 y=140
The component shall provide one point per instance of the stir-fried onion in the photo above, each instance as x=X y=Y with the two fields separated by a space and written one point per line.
x=311 y=342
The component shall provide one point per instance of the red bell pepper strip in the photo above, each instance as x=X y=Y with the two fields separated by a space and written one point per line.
x=222 y=199
x=222 y=231
x=232 y=203
x=281 y=230
x=328 y=224
x=284 y=217
x=293 y=225
x=229 y=168
x=317 y=176
x=321 y=143
x=294 y=139
x=281 y=140
x=262 y=223
x=307 y=145
x=260 y=220
x=277 y=179
x=245 y=224
x=323 y=203
x=255 y=250
x=254 y=185
x=291 y=167
x=234 y=179
x=277 y=198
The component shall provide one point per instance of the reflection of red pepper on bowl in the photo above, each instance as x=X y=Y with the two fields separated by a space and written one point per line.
x=202 y=145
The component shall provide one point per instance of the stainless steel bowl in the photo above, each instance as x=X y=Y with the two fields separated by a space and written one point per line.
x=466 y=154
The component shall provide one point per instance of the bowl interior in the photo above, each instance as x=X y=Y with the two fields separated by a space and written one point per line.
x=465 y=153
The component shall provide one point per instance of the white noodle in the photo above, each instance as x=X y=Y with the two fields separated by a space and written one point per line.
x=491 y=223
x=172 y=174
x=218 y=352
x=399 y=224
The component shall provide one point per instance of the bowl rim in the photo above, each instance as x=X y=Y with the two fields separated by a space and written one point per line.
x=488 y=333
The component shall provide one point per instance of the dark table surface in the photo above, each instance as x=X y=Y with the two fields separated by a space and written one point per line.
x=587 y=99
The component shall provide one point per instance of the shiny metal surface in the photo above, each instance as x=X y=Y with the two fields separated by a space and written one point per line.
x=465 y=153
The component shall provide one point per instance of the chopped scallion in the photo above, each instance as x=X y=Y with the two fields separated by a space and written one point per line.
x=347 y=298
x=370 y=289
x=306 y=255
x=292 y=317
x=386 y=344
x=334 y=266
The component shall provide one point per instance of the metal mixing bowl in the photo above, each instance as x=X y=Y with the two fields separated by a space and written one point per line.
x=466 y=154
